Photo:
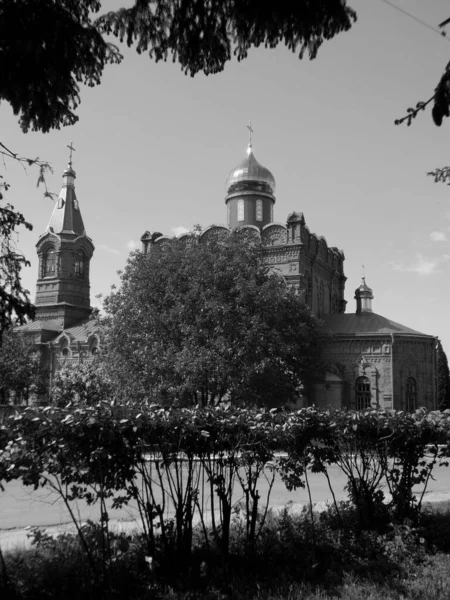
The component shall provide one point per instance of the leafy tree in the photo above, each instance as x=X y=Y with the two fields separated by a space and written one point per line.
x=41 y=76
x=83 y=383
x=15 y=305
x=21 y=370
x=202 y=321
x=443 y=378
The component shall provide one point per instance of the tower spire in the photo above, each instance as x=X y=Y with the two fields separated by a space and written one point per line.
x=66 y=215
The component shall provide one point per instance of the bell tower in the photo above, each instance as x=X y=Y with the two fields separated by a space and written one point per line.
x=64 y=251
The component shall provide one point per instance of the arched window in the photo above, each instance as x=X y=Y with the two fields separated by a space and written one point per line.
x=411 y=395
x=93 y=346
x=49 y=263
x=64 y=347
x=240 y=210
x=362 y=393
x=79 y=264
x=259 y=210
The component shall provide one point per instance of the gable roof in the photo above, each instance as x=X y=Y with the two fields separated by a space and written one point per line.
x=366 y=323
x=80 y=332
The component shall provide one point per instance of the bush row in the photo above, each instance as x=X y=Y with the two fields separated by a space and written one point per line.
x=187 y=463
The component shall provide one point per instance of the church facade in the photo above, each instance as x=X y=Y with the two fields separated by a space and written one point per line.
x=372 y=361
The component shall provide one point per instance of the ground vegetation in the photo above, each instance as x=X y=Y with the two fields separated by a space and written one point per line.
x=174 y=463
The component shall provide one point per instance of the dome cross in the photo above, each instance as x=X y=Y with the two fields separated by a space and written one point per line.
x=72 y=149
x=250 y=131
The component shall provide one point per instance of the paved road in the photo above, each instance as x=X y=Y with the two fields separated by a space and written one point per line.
x=21 y=506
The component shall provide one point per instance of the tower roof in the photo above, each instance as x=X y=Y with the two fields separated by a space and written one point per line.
x=250 y=173
x=364 y=289
x=66 y=216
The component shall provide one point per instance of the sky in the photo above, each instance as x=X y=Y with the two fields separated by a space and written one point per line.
x=154 y=147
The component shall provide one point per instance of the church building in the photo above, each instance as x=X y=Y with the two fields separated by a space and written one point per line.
x=65 y=327
x=372 y=361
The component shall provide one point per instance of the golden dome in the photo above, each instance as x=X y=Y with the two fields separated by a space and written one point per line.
x=250 y=174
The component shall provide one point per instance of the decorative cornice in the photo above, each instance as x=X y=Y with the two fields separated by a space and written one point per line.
x=249 y=193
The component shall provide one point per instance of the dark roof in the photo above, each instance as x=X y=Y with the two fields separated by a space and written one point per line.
x=77 y=333
x=38 y=326
x=82 y=331
x=365 y=322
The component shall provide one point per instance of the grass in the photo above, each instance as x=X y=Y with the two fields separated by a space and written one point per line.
x=295 y=559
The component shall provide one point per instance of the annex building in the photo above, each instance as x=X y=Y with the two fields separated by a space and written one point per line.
x=373 y=361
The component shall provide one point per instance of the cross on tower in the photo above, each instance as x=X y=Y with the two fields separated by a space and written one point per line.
x=72 y=149
x=250 y=131
x=363 y=272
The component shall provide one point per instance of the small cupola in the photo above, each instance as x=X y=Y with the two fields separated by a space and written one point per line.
x=363 y=297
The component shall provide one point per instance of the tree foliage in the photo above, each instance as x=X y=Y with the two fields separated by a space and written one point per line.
x=15 y=304
x=81 y=384
x=200 y=321
x=41 y=73
x=21 y=370
x=41 y=76
x=440 y=100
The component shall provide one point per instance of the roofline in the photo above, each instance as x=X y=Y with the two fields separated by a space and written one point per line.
x=378 y=334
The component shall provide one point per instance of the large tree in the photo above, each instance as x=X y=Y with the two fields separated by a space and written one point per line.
x=49 y=47
x=200 y=321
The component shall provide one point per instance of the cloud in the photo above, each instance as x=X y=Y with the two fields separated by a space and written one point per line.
x=438 y=236
x=108 y=249
x=422 y=266
x=133 y=245
x=179 y=230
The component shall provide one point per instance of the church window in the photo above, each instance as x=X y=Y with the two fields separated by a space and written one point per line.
x=229 y=213
x=362 y=393
x=64 y=347
x=49 y=263
x=259 y=210
x=93 y=346
x=79 y=265
x=240 y=209
x=411 y=395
